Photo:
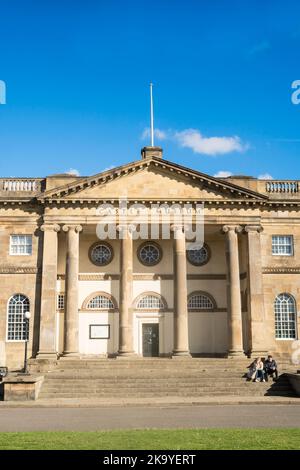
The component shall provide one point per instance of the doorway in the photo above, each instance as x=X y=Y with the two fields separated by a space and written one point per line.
x=150 y=333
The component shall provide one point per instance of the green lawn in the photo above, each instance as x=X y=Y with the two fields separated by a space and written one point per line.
x=155 y=439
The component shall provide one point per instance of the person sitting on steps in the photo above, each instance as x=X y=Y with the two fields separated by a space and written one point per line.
x=260 y=375
x=270 y=368
x=256 y=371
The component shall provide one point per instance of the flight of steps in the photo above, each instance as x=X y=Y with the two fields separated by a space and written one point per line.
x=156 y=377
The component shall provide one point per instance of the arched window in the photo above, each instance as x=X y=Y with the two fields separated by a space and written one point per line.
x=201 y=301
x=100 y=302
x=150 y=302
x=285 y=316
x=17 y=306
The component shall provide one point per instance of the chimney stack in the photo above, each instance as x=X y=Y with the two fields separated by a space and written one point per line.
x=147 y=152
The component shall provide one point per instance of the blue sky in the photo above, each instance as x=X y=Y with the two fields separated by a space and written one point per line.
x=77 y=75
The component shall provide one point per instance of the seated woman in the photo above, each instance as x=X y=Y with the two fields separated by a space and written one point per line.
x=260 y=375
x=251 y=374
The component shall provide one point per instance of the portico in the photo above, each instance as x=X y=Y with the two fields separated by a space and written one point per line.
x=126 y=281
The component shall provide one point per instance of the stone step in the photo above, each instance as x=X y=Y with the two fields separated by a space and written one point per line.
x=158 y=380
x=150 y=378
x=162 y=394
x=159 y=365
x=146 y=377
x=163 y=385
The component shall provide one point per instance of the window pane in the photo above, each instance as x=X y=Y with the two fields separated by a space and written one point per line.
x=17 y=306
x=21 y=244
x=285 y=317
x=282 y=245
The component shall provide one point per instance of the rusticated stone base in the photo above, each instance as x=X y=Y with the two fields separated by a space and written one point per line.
x=22 y=388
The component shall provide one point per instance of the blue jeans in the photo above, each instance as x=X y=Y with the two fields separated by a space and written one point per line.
x=260 y=375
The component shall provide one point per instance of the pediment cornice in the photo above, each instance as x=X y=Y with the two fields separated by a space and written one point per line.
x=72 y=191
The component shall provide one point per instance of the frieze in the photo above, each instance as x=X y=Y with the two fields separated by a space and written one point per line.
x=19 y=270
x=281 y=270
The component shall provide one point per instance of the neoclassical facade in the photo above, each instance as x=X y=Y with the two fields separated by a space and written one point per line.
x=151 y=296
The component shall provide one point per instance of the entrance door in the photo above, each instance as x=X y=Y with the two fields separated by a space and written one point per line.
x=150 y=339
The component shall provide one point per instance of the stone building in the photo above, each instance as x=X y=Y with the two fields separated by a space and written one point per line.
x=235 y=295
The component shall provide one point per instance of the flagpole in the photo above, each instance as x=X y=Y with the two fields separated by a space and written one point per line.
x=151 y=116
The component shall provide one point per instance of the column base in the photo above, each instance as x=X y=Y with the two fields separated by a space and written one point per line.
x=178 y=354
x=70 y=355
x=47 y=355
x=127 y=355
x=235 y=353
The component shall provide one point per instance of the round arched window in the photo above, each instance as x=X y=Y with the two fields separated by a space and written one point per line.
x=198 y=256
x=200 y=301
x=149 y=253
x=100 y=302
x=101 y=254
x=285 y=317
x=18 y=305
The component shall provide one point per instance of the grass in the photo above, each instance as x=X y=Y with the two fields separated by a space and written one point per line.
x=179 y=439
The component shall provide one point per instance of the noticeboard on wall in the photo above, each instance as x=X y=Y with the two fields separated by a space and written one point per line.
x=99 y=331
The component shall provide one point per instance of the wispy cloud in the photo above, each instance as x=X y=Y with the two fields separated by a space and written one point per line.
x=259 y=48
x=265 y=176
x=73 y=172
x=223 y=174
x=193 y=139
x=108 y=168
x=158 y=134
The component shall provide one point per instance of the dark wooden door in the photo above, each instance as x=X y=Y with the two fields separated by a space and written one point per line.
x=150 y=339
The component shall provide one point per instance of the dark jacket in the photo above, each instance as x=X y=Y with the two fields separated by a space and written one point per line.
x=269 y=365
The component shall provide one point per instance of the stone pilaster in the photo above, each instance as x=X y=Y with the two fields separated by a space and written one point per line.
x=234 y=315
x=47 y=339
x=256 y=309
x=181 y=335
x=71 y=319
x=125 y=304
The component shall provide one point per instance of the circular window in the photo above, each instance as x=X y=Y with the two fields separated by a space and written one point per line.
x=101 y=254
x=149 y=254
x=198 y=256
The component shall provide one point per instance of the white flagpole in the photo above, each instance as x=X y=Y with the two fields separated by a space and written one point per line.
x=151 y=116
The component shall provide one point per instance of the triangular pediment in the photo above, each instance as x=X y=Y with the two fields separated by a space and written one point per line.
x=150 y=179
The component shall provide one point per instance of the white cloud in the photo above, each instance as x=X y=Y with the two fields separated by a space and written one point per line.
x=223 y=174
x=265 y=176
x=158 y=134
x=193 y=139
x=73 y=172
x=260 y=47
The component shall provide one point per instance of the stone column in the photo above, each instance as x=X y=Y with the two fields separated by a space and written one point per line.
x=181 y=336
x=234 y=316
x=125 y=304
x=47 y=340
x=256 y=308
x=71 y=290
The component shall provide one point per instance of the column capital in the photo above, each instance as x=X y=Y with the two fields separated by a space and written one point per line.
x=231 y=228
x=50 y=227
x=253 y=228
x=126 y=230
x=76 y=228
x=177 y=228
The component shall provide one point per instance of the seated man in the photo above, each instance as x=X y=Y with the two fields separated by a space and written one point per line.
x=270 y=368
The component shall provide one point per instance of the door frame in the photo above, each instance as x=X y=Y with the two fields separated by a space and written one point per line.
x=143 y=328
x=149 y=317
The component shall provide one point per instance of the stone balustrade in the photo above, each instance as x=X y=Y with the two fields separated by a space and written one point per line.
x=20 y=185
x=287 y=187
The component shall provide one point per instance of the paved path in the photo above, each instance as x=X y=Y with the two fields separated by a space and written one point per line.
x=93 y=419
